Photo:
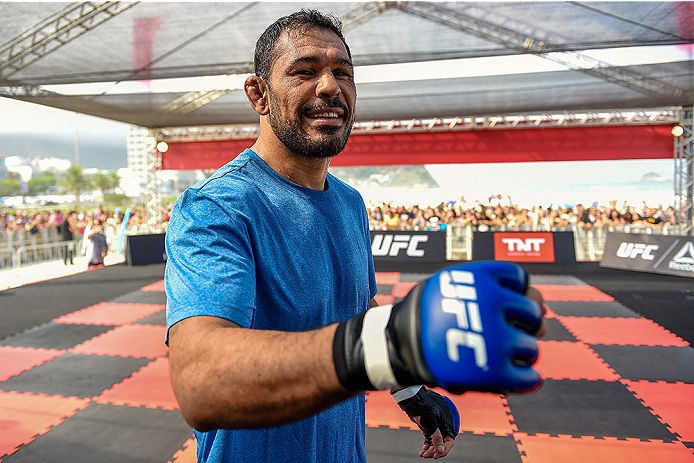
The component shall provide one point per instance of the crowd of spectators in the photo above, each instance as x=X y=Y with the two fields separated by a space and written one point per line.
x=502 y=213
x=34 y=222
x=498 y=212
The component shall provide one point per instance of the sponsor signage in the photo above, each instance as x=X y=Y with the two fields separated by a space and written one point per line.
x=409 y=246
x=557 y=247
x=671 y=255
x=524 y=247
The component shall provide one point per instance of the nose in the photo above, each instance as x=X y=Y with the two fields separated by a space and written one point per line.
x=327 y=86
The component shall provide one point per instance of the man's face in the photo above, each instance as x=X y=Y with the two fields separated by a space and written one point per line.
x=312 y=93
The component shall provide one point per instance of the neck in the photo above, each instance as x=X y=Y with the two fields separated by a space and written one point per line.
x=306 y=171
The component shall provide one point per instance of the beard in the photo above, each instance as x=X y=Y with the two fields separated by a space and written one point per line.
x=330 y=141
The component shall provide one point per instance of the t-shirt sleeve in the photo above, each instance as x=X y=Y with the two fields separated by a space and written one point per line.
x=209 y=269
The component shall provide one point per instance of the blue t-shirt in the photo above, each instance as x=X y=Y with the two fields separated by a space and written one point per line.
x=250 y=246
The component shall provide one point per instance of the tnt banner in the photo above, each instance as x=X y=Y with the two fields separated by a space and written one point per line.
x=671 y=255
x=555 y=247
x=524 y=247
x=423 y=246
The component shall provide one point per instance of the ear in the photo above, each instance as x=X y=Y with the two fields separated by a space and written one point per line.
x=256 y=92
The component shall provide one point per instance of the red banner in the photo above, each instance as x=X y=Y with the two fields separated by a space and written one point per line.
x=460 y=147
x=524 y=247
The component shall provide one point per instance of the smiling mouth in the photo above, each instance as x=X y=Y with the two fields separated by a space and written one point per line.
x=324 y=115
x=331 y=111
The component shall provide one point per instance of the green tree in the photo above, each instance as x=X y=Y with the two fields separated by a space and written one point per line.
x=105 y=182
x=44 y=182
x=74 y=181
x=10 y=187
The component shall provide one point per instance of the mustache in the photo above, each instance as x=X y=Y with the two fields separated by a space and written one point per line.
x=325 y=104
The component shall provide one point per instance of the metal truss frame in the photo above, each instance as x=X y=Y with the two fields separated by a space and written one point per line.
x=78 y=18
x=54 y=32
x=474 y=26
x=537 y=46
x=684 y=170
x=153 y=195
x=488 y=122
x=684 y=192
x=192 y=101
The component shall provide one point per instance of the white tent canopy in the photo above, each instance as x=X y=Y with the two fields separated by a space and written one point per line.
x=143 y=60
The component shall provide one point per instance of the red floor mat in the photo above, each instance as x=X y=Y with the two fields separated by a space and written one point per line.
x=149 y=387
x=572 y=293
x=572 y=360
x=111 y=313
x=381 y=410
x=483 y=413
x=621 y=331
x=565 y=449
x=387 y=278
x=158 y=286
x=127 y=341
x=479 y=412
x=672 y=402
x=383 y=300
x=18 y=359
x=403 y=288
x=25 y=416
x=188 y=454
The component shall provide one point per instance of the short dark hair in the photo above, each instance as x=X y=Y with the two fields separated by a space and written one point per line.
x=303 y=20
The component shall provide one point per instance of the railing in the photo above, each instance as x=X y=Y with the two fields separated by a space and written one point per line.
x=45 y=252
x=22 y=248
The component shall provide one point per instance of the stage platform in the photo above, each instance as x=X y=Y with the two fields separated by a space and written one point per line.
x=84 y=374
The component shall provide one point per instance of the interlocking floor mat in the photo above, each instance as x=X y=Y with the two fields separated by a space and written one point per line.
x=91 y=384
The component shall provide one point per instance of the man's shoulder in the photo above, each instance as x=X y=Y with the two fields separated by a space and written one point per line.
x=235 y=177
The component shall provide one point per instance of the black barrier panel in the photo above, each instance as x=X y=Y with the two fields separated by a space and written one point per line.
x=557 y=247
x=409 y=246
x=670 y=255
x=146 y=249
x=564 y=248
x=482 y=246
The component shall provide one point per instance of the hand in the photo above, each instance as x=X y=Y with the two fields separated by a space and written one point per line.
x=468 y=327
x=436 y=416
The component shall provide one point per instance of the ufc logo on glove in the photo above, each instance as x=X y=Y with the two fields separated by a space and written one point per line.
x=469 y=327
x=460 y=299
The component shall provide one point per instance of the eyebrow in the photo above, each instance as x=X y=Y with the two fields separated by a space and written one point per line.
x=315 y=59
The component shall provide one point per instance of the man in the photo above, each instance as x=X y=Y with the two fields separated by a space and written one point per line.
x=67 y=227
x=270 y=275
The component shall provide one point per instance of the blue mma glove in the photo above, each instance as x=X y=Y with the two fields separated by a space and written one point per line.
x=434 y=411
x=467 y=328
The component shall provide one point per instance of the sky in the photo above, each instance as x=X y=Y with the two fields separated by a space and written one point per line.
x=29 y=129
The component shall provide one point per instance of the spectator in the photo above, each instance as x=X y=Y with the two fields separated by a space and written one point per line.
x=67 y=229
x=98 y=245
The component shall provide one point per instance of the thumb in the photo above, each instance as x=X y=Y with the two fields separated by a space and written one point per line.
x=437 y=441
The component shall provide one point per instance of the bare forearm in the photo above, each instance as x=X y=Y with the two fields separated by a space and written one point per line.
x=239 y=378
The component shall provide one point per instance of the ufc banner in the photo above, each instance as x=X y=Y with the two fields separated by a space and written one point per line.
x=422 y=246
x=671 y=255
x=555 y=247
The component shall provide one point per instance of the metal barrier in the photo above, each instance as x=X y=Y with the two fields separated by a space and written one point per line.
x=22 y=248
x=47 y=252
